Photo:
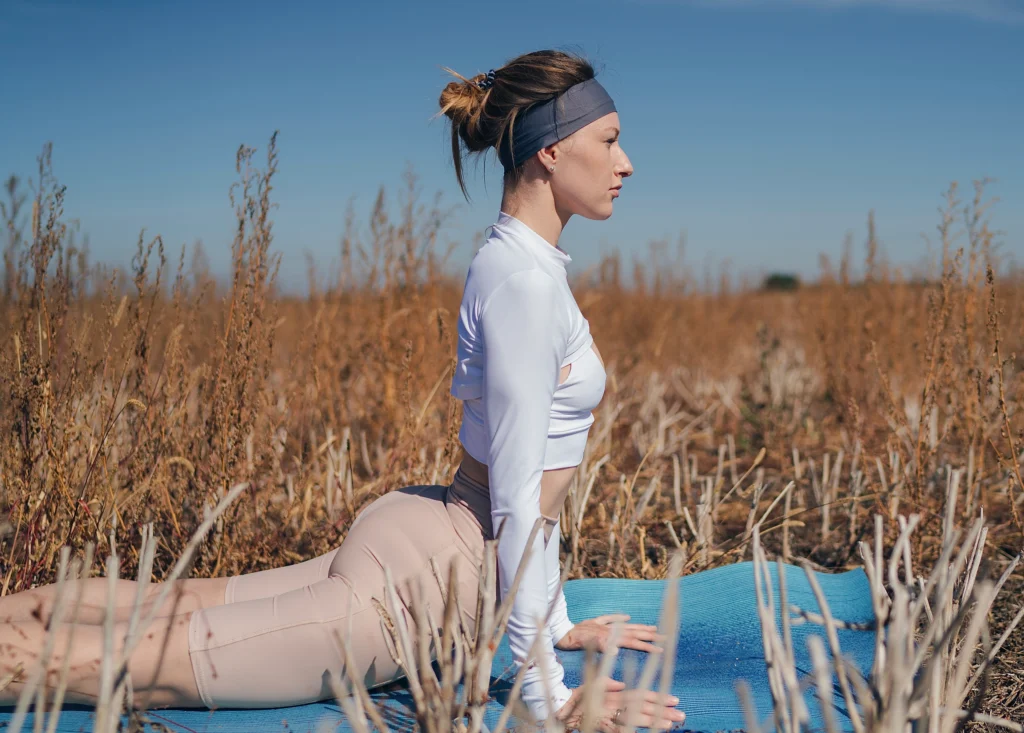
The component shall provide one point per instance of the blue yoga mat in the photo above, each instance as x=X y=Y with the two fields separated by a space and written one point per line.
x=719 y=643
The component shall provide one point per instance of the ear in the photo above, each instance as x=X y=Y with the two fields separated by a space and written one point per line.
x=549 y=156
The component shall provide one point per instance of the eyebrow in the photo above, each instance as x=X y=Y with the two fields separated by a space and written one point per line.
x=613 y=129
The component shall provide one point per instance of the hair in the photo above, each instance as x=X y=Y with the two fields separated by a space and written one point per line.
x=482 y=118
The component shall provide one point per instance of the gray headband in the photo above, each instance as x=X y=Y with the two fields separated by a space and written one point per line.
x=548 y=122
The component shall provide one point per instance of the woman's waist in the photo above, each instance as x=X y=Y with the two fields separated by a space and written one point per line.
x=472 y=485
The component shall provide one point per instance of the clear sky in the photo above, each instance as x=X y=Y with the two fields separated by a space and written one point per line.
x=762 y=129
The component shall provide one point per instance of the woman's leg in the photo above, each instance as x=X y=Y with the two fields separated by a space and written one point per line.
x=281 y=651
x=24 y=617
x=37 y=604
x=160 y=669
x=269 y=583
x=272 y=650
x=190 y=594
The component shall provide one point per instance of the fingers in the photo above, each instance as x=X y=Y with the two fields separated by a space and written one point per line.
x=643 y=631
x=642 y=646
x=647 y=721
x=639 y=637
x=639 y=708
x=655 y=697
x=611 y=618
x=666 y=718
x=648 y=632
x=655 y=705
x=637 y=697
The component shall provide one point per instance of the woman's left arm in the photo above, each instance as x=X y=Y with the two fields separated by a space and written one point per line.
x=568 y=636
x=559 y=624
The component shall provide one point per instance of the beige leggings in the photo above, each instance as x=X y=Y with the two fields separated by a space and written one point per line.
x=273 y=642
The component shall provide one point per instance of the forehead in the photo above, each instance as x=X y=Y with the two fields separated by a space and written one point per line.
x=609 y=124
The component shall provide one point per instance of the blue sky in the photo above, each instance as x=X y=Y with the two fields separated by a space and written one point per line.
x=762 y=129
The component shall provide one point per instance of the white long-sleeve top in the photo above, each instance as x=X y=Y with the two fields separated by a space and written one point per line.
x=519 y=324
x=559 y=624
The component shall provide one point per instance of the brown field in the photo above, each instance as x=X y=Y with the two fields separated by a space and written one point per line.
x=143 y=397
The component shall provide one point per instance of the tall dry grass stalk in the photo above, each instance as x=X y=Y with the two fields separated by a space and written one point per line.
x=734 y=417
x=933 y=647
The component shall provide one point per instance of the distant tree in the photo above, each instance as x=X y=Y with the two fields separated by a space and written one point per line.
x=781 y=281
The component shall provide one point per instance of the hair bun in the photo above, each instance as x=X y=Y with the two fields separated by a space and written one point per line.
x=463 y=103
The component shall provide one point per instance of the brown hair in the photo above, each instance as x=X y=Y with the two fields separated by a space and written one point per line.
x=481 y=118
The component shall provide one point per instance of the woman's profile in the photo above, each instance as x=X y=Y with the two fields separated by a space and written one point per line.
x=529 y=376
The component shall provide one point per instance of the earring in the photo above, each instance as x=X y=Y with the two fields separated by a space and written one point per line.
x=552 y=169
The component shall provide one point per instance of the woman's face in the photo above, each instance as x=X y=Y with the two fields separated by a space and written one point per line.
x=590 y=169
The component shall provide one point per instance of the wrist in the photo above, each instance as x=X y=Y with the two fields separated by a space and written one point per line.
x=565 y=713
x=566 y=642
x=540 y=706
x=561 y=634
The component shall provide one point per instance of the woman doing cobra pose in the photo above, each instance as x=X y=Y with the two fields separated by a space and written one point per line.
x=529 y=376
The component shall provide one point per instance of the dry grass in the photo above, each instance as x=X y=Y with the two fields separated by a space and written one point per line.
x=736 y=423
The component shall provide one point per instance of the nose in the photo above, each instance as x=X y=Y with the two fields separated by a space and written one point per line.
x=625 y=167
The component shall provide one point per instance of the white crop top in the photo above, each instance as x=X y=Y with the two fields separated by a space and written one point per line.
x=519 y=324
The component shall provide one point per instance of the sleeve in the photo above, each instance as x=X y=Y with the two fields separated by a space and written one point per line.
x=525 y=332
x=559 y=624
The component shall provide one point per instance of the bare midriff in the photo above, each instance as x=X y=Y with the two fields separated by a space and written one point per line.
x=554 y=483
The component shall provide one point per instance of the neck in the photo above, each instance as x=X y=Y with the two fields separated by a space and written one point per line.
x=535 y=207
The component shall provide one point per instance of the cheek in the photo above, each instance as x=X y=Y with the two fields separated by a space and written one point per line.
x=594 y=169
x=587 y=183
x=600 y=158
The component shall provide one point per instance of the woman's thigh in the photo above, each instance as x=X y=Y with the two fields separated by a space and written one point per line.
x=272 y=582
x=282 y=651
x=279 y=651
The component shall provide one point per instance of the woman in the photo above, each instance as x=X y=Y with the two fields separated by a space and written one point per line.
x=529 y=376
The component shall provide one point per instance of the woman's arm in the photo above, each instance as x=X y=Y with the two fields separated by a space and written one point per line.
x=525 y=331
x=559 y=624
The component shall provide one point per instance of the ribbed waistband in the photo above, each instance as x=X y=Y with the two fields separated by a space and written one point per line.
x=476 y=498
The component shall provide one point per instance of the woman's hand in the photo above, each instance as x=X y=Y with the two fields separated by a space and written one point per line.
x=597 y=631
x=612 y=713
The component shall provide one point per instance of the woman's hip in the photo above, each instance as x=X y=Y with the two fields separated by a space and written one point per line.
x=402 y=531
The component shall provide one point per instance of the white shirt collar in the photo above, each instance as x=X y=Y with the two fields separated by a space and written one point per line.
x=542 y=246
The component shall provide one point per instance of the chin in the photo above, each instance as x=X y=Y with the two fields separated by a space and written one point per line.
x=599 y=213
